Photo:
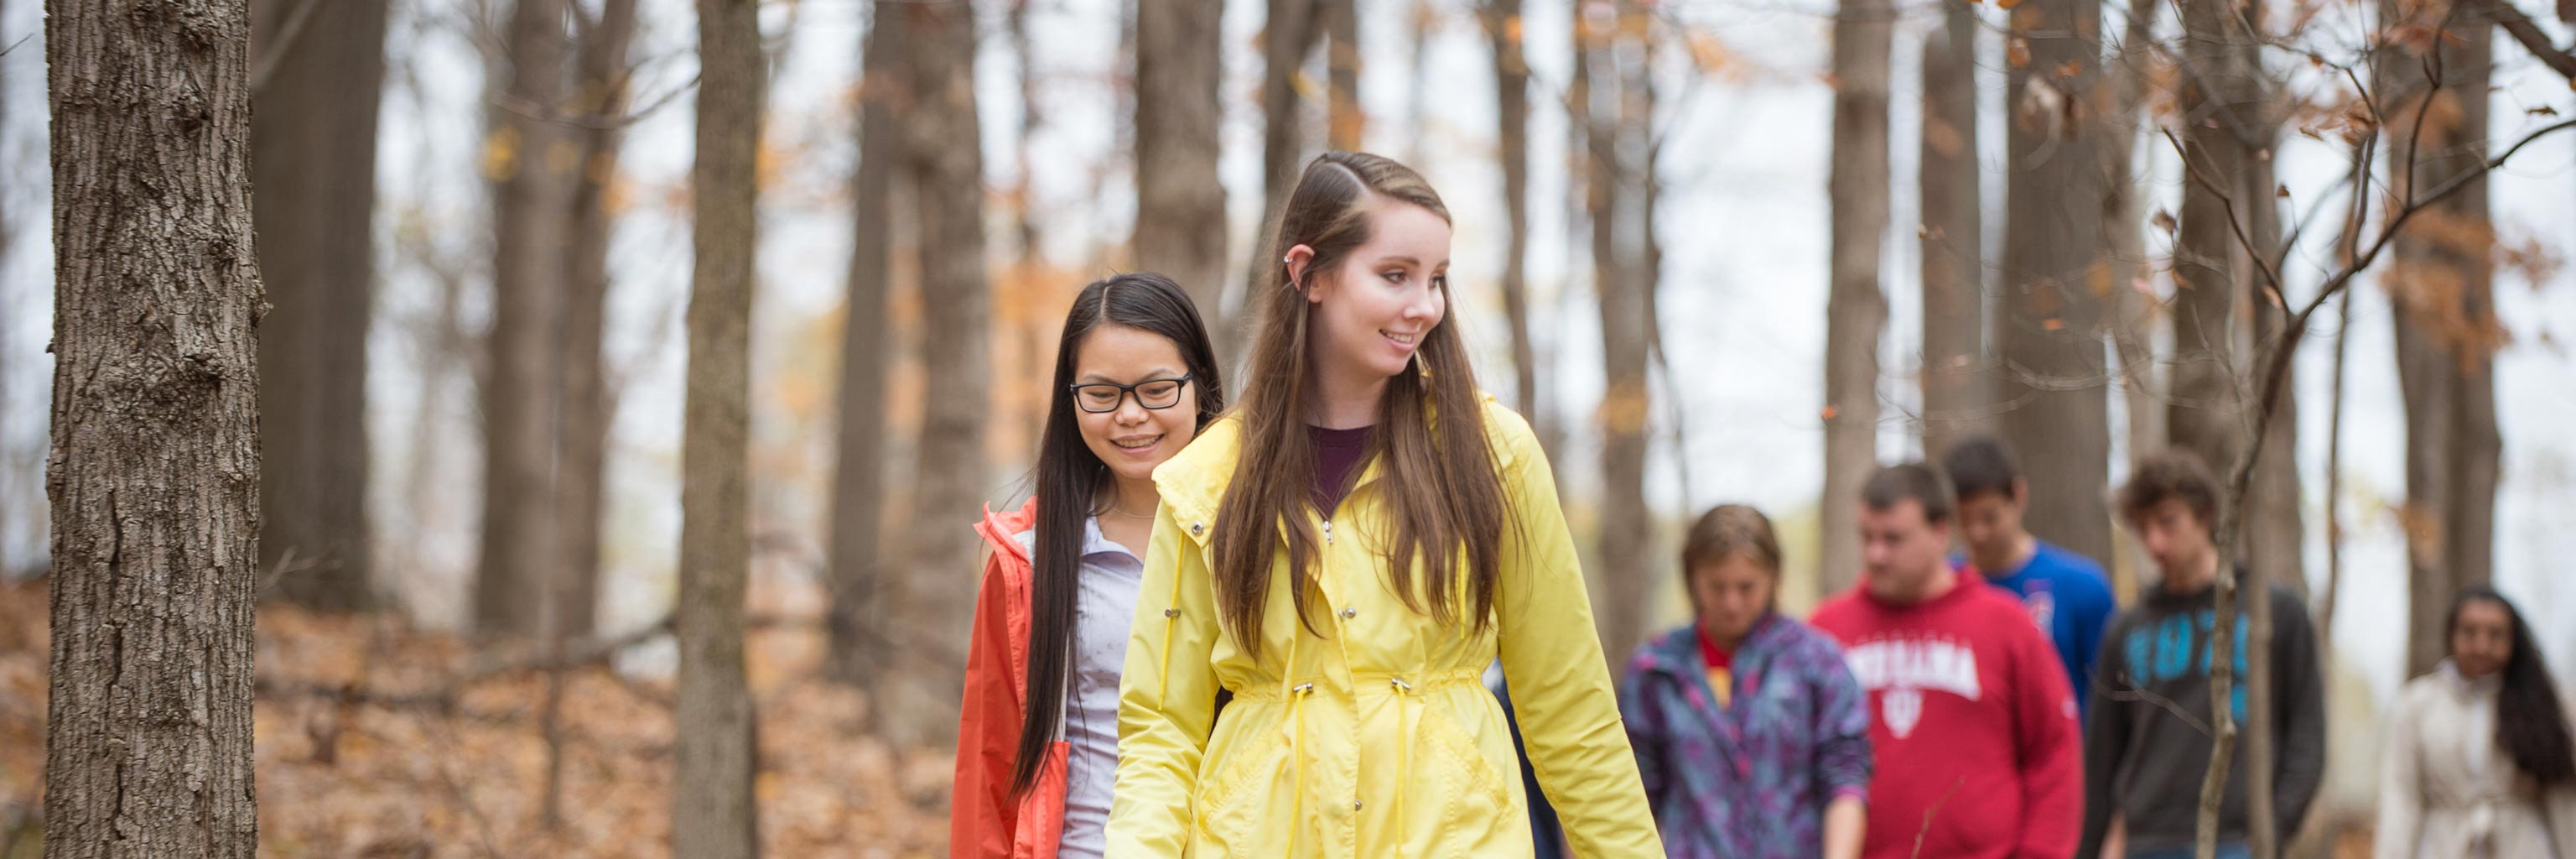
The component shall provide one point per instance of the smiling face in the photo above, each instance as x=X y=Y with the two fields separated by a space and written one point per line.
x=1131 y=438
x=1373 y=309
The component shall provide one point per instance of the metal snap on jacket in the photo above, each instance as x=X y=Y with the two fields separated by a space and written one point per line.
x=1197 y=529
x=1171 y=612
x=1348 y=612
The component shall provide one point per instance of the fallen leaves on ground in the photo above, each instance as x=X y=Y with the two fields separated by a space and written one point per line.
x=358 y=757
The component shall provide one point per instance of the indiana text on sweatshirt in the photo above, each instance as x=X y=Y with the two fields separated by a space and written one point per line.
x=1973 y=725
x=2146 y=745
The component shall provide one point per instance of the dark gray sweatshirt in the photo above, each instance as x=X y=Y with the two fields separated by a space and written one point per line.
x=2144 y=760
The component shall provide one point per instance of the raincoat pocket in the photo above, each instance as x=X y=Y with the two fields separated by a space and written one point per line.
x=1468 y=794
x=1233 y=819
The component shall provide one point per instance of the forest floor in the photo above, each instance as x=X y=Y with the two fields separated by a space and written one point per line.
x=374 y=739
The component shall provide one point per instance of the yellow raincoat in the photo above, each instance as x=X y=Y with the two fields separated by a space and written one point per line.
x=1380 y=741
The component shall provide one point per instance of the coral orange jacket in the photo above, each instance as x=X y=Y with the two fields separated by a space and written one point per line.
x=985 y=820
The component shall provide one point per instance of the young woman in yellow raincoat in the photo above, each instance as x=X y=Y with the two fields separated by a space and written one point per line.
x=1344 y=554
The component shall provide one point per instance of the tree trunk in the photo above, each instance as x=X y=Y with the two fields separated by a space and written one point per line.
x=2133 y=312
x=1419 y=19
x=1180 y=205
x=1856 y=311
x=2334 y=470
x=154 y=472
x=530 y=158
x=1285 y=41
x=2055 y=275
x=947 y=169
x=1346 y=124
x=2219 y=101
x=313 y=174
x=861 y=620
x=588 y=405
x=599 y=103
x=864 y=591
x=1617 y=150
x=1029 y=330
x=9 y=470
x=2273 y=534
x=2441 y=284
x=712 y=813
x=1502 y=20
x=1952 y=234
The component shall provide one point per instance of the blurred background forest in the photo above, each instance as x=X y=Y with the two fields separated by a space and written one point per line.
x=1718 y=250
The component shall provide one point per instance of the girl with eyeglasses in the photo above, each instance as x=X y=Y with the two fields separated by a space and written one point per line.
x=1344 y=554
x=1037 y=749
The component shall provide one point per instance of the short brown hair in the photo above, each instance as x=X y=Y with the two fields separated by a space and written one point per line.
x=1912 y=481
x=2171 y=475
x=1731 y=531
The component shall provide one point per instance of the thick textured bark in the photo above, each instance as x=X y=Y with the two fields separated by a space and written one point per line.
x=599 y=100
x=1502 y=21
x=155 y=465
x=1345 y=123
x=313 y=173
x=947 y=172
x=1291 y=33
x=1180 y=205
x=1855 y=309
x=1951 y=236
x=1622 y=281
x=2055 y=277
x=2441 y=283
x=711 y=798
x=861 y=620
x=530 y=158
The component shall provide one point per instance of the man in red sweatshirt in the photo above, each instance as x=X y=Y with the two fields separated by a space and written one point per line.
x=1979 y=755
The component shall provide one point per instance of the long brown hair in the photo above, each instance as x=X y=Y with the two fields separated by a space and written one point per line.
x=1444 y=503
x=1073 y=486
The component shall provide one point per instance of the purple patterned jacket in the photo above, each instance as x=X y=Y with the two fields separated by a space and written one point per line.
x=1752 y=779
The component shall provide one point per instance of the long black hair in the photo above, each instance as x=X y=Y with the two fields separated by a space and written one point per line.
x=2529 y=724
x=1073 y=486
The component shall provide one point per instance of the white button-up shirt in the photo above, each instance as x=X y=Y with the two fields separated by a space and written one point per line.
x=1105 y=609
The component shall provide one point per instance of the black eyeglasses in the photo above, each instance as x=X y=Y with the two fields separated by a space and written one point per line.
x=1098 y=397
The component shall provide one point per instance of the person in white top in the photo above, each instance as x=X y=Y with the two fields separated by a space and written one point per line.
x=2479 y=763
x=1037 y=751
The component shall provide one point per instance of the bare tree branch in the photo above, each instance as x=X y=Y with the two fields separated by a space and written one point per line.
x=2275 y=375
x=2523 y=30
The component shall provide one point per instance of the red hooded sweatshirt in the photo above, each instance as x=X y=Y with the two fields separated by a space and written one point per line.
x=984 y=820
x=1979 y=755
